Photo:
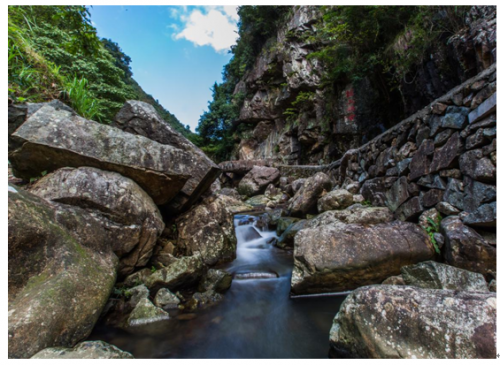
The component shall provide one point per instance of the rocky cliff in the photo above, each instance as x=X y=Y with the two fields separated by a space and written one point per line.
x=290 y=116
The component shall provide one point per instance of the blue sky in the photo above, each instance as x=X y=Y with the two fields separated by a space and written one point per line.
x=177 y=52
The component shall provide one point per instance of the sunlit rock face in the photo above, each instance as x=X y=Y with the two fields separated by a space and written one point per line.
x=404 y=322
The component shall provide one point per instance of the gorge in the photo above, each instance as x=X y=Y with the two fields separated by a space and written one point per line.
x=315 y=214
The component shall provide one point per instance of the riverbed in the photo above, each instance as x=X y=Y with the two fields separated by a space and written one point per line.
x=256 y=318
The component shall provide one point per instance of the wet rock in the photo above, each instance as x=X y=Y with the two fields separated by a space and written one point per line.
x=335 y=200
x=305 y=201
x=208 y=229
x=217 y=280
x=287 y=237
x=129 y=216
x=398 y=194
x=136 y=294
x=434 y=275
x=465 y=248
x=410 y=210
x=54 y=138
x=165 y=299
x=146 y=312
x=84 y=350
x=257 y=179
x=183 y=272
x=140 y=118
x=203 y=299
x=284 y=223
x=432 y=182
x=484 y=216
x=407 y=322
x=59 y=280
x=477 y=167
x=394 y=280
x=339 y=257
x=446 y=157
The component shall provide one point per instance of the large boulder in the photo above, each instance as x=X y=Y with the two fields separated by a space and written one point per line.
x=141 y=118
x=389 y=321
x=339 y=257
x=335 y=200
x=257 y=179
x=53 y=138
x=465 y=248
x=130 y=217
x=84 y=350
x=305 y=200
x=184 y=271
x=61 y=273
x=208 y=229
x=355 y=214
x=434 y=275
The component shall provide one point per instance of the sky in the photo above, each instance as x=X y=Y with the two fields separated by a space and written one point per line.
x=177 y=52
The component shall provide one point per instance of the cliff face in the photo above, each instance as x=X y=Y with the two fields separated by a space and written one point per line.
x=291 y=117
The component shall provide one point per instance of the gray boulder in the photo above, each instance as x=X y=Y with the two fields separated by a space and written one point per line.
x=305 y=200
x=145 y=312
x=130 y=217
x=208 y=230
x=433 y=275
x=165 y=299
x=141 y=118
x=257 y=179
x=404 y=322
x=60 y=274
x=217 y=280
x=54 y=138
x=339 y=257
x=335 y=200
x=184 y=271
x=84 y=350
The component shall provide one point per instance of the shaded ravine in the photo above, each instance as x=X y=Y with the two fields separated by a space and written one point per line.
x=256 y=318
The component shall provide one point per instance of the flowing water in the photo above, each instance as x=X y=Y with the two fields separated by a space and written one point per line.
x=256 y=318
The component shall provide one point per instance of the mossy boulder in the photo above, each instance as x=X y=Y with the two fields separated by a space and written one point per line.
x=60 y=274
x=84 y=350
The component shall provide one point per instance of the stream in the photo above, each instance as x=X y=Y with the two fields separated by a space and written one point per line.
x=256 y=318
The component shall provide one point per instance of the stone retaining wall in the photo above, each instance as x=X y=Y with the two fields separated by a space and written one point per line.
x=444 y=156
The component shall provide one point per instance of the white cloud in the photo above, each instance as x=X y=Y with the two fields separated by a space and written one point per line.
x=215 y=27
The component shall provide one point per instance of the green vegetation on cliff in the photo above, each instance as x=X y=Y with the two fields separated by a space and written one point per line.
x=358 y=41
x=54 y=53
x=385 y=44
